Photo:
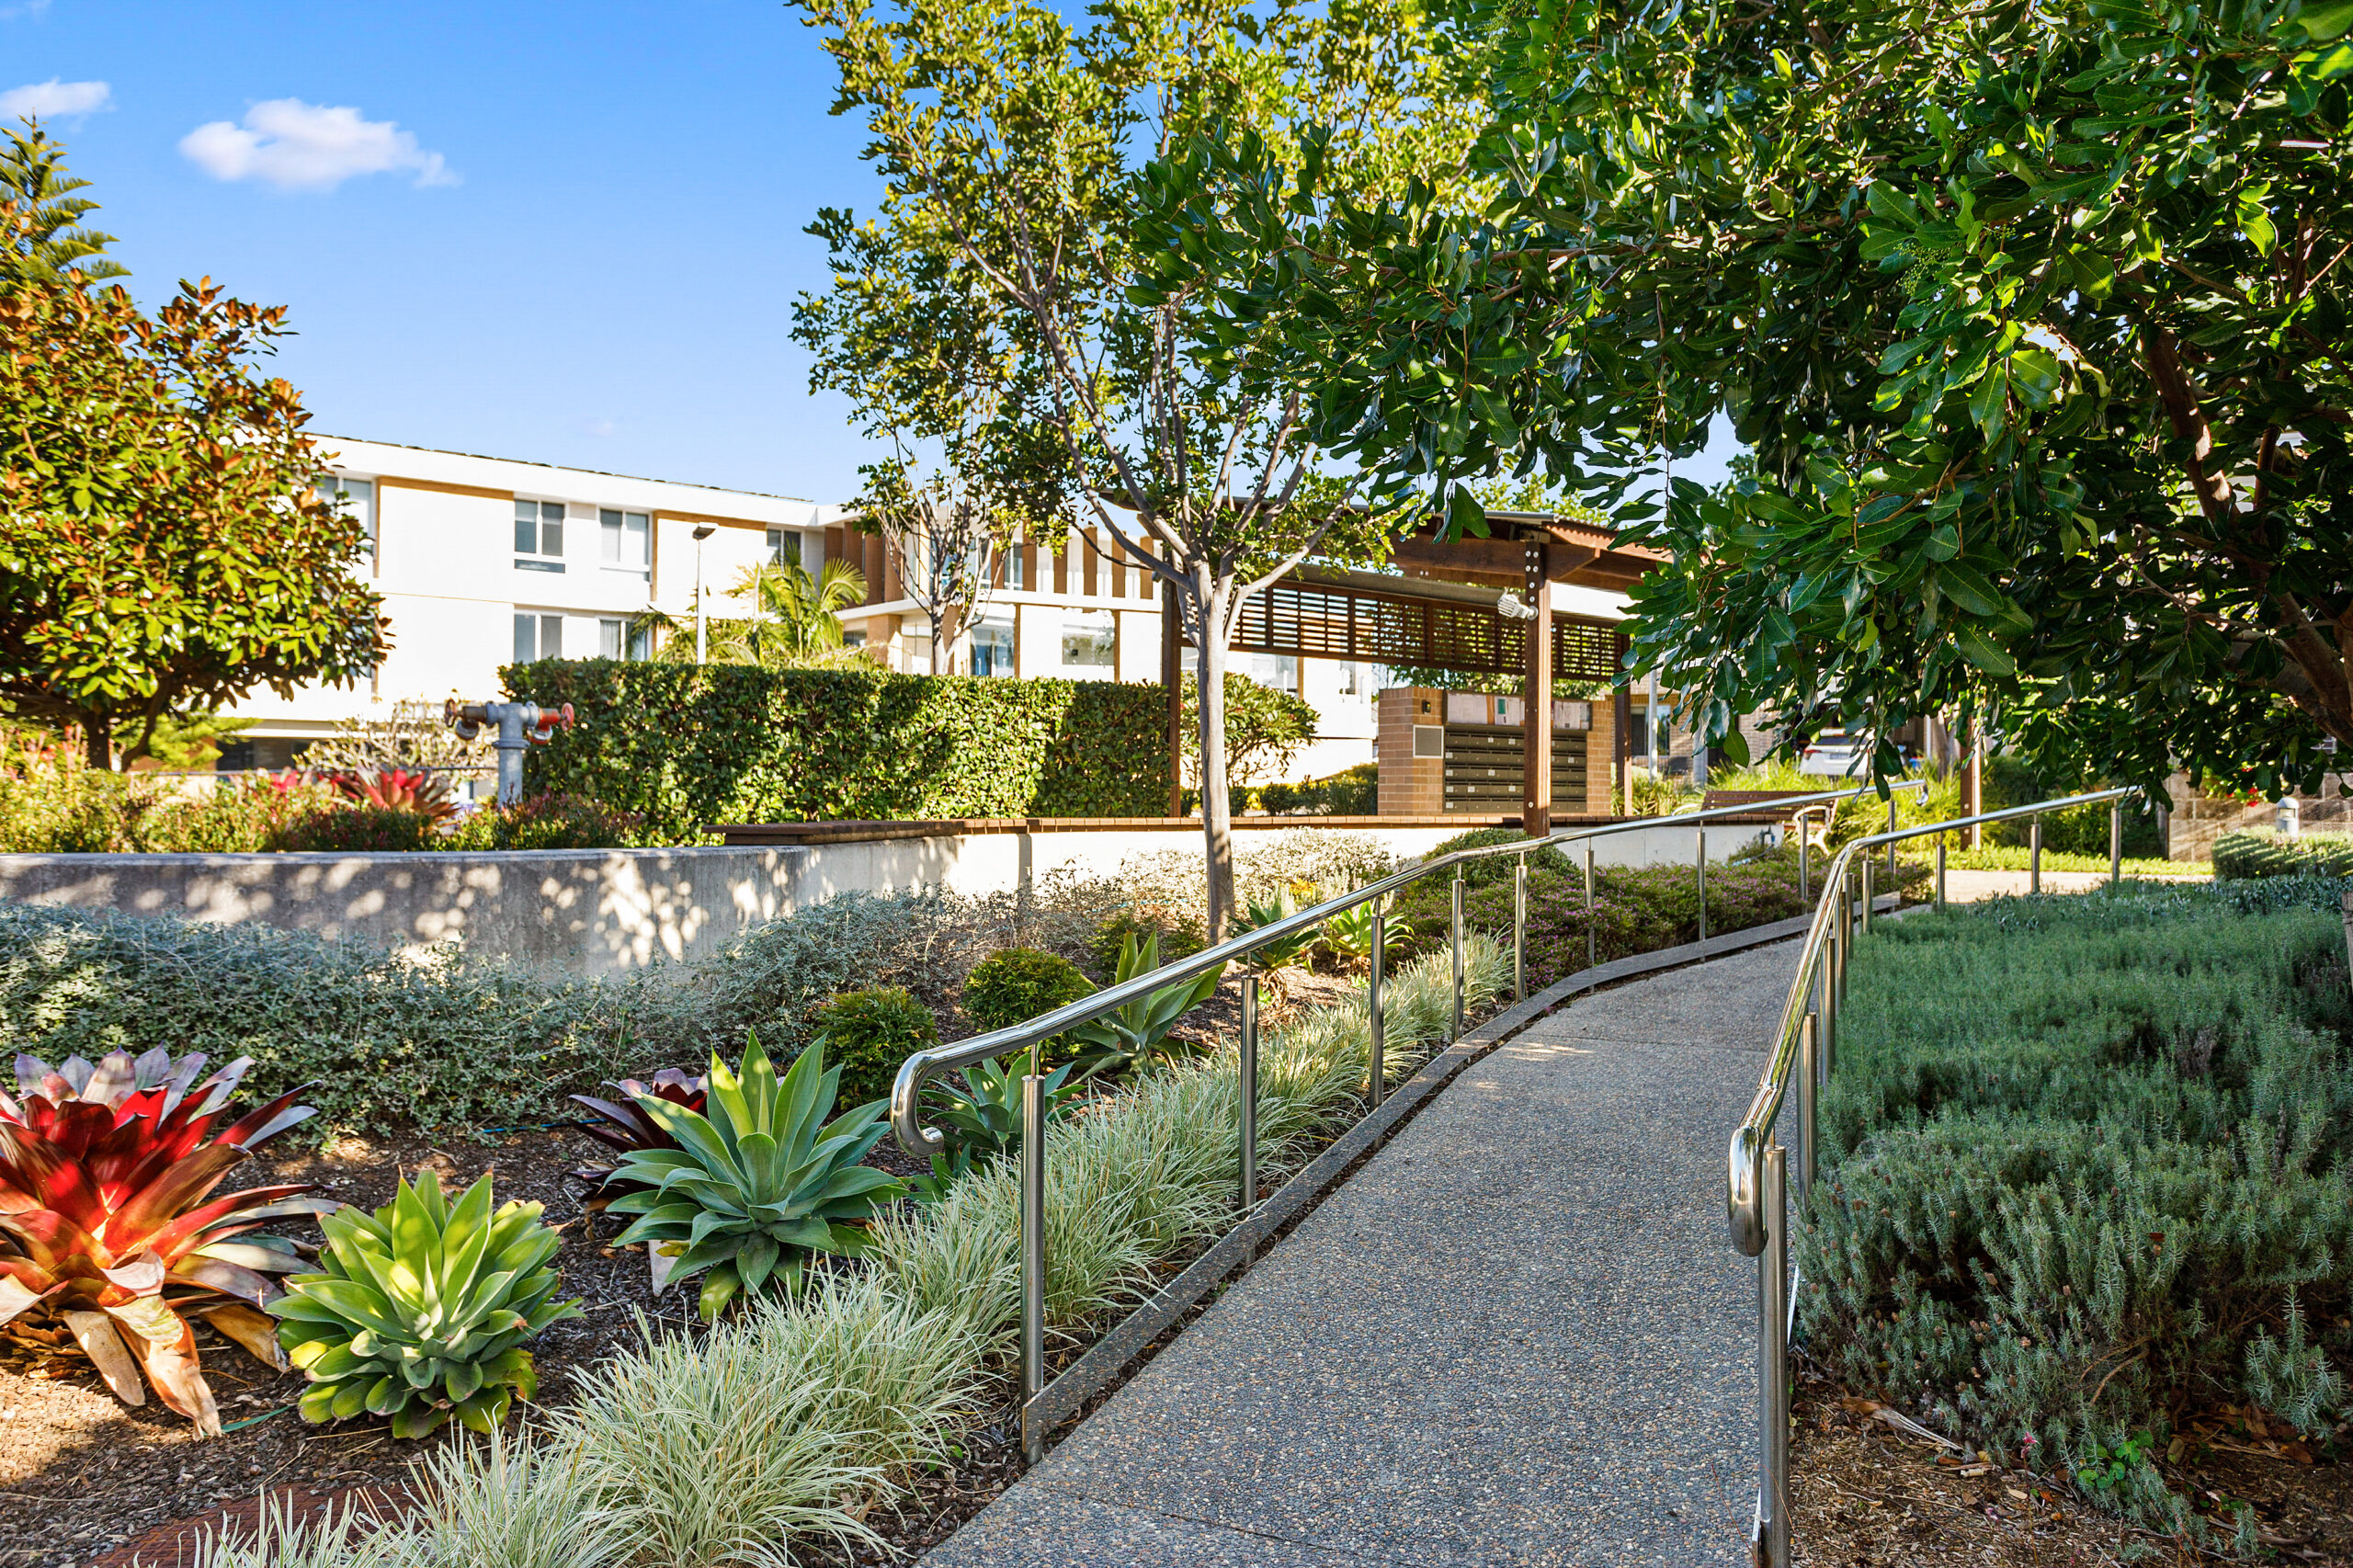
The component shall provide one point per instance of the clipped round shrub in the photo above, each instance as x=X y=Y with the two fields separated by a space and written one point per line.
x=551 y=822
x=358 y=829
x=868 y=1034
x=1016 y=984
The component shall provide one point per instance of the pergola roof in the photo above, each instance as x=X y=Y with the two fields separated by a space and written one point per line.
x=1581 y=553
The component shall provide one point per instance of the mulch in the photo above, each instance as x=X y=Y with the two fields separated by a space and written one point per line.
x=1864 y=1496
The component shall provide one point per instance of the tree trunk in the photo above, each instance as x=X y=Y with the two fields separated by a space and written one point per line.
x=1217 y=811
x=945 y=631
x=97 y=740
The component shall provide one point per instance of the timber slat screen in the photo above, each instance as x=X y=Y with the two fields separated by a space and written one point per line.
x=1486 y=768
x=1350 y=623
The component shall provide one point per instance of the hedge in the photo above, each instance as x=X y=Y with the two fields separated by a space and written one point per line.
x=2261 y=852
x=685 y=745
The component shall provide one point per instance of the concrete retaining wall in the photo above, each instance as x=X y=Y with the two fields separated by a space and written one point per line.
x=594 y=911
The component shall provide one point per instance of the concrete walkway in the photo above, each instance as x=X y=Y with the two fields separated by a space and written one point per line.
x=1518 y=1336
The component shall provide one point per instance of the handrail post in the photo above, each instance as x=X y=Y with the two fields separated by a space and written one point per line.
x=1703 y=884
x=1033 y=1263
x=1890 y=843
x=1846 y=928
x=1940 y=871
x=1867 y=892
x=1809 y=1088
x=1376 y=1071
x=2116 y=841
x=2034 y=853
x=1590 y=947
x=1825 y=978
x=1772 y=1543
x=1519 y=930
x=1805 y=861
x=1454 y=1030
x=1248 y=1131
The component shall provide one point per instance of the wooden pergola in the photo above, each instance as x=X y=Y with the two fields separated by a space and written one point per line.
x=1444 y=612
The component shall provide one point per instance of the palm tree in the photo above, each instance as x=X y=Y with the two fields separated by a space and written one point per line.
x=795 y=618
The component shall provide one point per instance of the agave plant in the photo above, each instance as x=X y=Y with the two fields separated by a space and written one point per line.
x=761 y=1182
x=629 y=1129
x=1350 y=933
x=106 y=1222
x=421 y=1310
x=1140 y=1030
x=983 y=1115
x=1281 y=954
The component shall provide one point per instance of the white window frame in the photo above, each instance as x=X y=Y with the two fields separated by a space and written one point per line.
x=617 y=530
x=541 y=559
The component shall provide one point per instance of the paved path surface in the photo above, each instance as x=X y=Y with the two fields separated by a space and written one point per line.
x=1518 y=1336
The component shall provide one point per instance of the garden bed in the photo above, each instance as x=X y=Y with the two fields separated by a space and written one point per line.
x=100 y=1474
x=2084 y=1204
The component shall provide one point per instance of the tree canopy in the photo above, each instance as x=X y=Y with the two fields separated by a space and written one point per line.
x=161 y=546
x=2033 y=317
x=1013 y=144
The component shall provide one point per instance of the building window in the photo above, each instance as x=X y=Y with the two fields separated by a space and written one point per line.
x=538 y=636
x=918 y=655
x=784 y=547
x=993 y=648
x=539 y=536
x=1013 y=567
x=853 y=639
x=628 y=539
x=354 y=496
x=1090 y=639
x=1348 y=681
x=1277 y=670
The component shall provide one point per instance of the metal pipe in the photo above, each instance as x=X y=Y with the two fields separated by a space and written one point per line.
x=1376 y=1071
x=1248 y=1140
x=2115 y=842
x=922 y=1066
x=1827 y=1007
x=1519 y=930
x=1809 y=1091
x=1033 y=1262
x=1703 y=884
x=1890 y=843
x=1869 y=894
x=1589 y=943
x=1805 y=861
x=1773 y=1368
x=1454 y=1029
x=1940 y=872
x=2034 y=853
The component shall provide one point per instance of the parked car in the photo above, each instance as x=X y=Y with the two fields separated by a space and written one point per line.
x=1839 y=756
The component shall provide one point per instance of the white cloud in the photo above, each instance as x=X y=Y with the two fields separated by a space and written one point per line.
x=299 y=146
x=54 y=100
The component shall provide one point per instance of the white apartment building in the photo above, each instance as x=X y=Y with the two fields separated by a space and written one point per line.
x=485 y=561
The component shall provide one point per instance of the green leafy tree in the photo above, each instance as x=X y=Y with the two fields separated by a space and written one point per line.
x=2034 y=318
x=48 y=244
x=1011 y=143
x=161 y=551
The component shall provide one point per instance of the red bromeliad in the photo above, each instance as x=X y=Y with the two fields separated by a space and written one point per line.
x=398 y=788
x=106 y=1222
x=631 y=1128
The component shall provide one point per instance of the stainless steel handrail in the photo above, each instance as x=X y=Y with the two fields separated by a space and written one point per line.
x=918 y=1069
x=921 y=1067
x=1804 y=1049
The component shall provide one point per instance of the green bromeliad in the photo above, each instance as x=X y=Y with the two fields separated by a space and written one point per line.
x=758 y=1183
x=423 y=1308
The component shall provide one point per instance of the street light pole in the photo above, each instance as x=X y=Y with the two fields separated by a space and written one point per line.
x=701 y=533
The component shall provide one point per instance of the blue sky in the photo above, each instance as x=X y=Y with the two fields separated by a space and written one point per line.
x=567 y=233
x=598 y=272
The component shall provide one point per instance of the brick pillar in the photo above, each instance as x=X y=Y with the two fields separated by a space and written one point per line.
x=1410 y=785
